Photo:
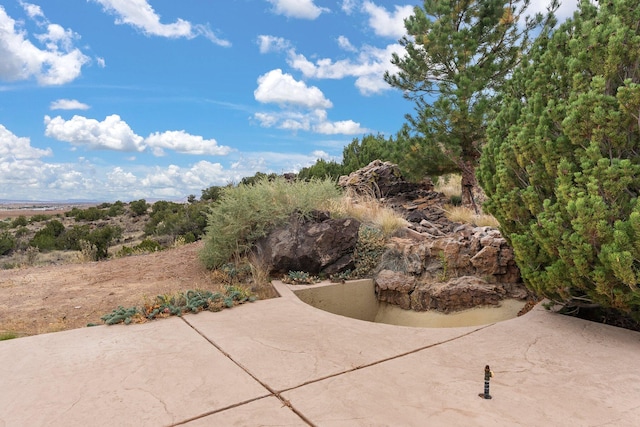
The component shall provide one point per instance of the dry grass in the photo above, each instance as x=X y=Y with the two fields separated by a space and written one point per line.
x=467 y=216
x=449 y=185
x=368 y=210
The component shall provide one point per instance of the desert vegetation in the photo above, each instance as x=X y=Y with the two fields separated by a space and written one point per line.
x=543 y=117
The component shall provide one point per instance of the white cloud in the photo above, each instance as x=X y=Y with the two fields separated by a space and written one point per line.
x=272 y=44
x=368 y=67
x=110 y=134
x=319 y=154
x=13 y=147
x=312 y=121
x=345 y=44
x=32 y=10
x=58 y=63
x=182 y=142
x=348 y=6
x=68 y=104
x=283 y=89
x=140 y=14
x=113 y=133
x=303 y=9
x=101 y=62
x=385 y=23
x=344 y=127
x=119 y=178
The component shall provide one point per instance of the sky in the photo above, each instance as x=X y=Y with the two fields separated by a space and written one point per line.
x=107 y=100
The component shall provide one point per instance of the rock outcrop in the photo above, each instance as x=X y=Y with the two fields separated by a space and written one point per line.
x=320 y=245
x=437 y=264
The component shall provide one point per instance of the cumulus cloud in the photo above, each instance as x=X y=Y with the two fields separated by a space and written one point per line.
x=68 y=104
x=113 y=133
x=310 y=121
x=57 y=62
x=13 y=147
x=139 y=14
x=268 y=44
x=385 y=23
x=302 y=9
x=281 y=88
x=368 y=68
x=182 y=142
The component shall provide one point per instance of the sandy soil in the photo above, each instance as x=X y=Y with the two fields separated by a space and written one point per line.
x=38 y=300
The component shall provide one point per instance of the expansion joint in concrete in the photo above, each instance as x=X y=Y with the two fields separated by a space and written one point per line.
x=272 y=392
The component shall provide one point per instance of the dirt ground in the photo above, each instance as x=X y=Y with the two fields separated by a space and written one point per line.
x=36 y=300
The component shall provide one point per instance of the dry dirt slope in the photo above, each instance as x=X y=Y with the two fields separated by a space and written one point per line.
x=38 y=300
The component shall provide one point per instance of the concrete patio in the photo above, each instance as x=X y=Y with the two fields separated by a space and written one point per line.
x=281 y=362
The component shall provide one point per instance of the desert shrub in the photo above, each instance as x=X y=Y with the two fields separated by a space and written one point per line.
x=138 y=207
x=115 y=209
x=21 y=231
x=46 y=239
x=102 y=237
x=70 y=239
x=211 y=194
x=7 y=243
x=369 y=249
x=88 y=251
x=39 y=218
x=90 y=214
x=20 y=221
x=146 y=246
x=246 y=213
x=31 y=254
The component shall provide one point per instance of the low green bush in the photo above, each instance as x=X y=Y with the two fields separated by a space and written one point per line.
x=245 y=213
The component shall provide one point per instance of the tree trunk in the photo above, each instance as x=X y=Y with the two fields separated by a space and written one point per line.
x=469 y=183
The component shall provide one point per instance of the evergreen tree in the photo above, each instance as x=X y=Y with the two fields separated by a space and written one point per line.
x=321 y=169
x=458 y=54
x=562 y=162
x=359 y=153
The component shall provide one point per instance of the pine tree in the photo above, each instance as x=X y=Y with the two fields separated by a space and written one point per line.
x=562 y=163
x=458 y=54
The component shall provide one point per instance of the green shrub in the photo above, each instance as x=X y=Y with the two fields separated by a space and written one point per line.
x=102 y=238
x=7 y=243
x=369 y=250
x=146 y=246
x=46 y=239
x=116 y=209
x=20 y=221
x=139 y=207
x=562 y=167
x=90 y=214
x=39 y=218
x=248 y=212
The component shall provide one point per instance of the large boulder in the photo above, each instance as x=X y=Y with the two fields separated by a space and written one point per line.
x=382 y=180
x=317 y=245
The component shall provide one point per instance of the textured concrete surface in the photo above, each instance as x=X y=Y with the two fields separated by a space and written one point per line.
x=282 y=362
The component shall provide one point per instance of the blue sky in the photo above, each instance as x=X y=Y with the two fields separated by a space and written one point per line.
x=125 y=99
